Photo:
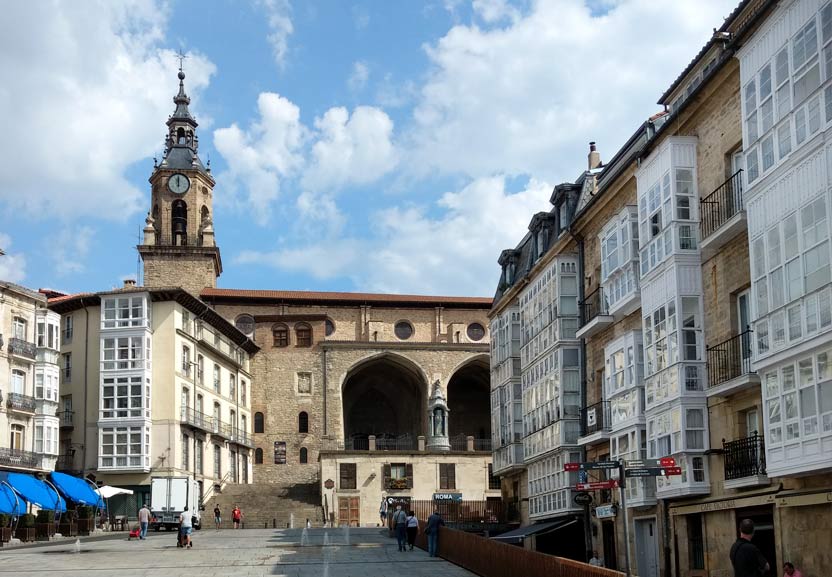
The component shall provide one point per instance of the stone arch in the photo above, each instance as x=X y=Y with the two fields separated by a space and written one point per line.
x=258 y=456
x=179 y=222
x=468 y=393
x=258 y=422
x=304 y=455
x=384 y=395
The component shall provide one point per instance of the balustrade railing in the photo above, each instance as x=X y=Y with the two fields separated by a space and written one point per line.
x=400 y=443
x=22 y=348
x=721 y=205
x=197 y=419
x=66 y=419
x=18 y=402
x=595 y=418
x=18 y=458
x=744 y=457
x=729 y=359
x=595 y=304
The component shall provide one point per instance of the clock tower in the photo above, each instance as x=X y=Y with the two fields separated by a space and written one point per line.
x=179 y=248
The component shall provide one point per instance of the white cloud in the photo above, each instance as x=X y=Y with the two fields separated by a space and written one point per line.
x=70 y=250
x=12 y=265
x=259 y=157
x=81 y=100
x=279 y=16
x=410 y=251
x=350 y=149
x=525 y=97
x=492 y=11
x=391 y=94
x=359 y=75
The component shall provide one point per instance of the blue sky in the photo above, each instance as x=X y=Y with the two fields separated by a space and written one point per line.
x=372 y=146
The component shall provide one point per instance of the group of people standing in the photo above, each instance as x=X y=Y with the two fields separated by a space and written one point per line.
x=406 y=526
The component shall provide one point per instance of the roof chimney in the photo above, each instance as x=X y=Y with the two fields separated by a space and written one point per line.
x=593 y=158
x=129 y=283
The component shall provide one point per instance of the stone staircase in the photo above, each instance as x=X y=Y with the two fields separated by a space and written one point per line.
x=266 y=505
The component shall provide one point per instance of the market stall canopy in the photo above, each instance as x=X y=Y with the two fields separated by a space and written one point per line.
x=76 y=490
x=9 y=503
x=35 y=491
x=108 y=491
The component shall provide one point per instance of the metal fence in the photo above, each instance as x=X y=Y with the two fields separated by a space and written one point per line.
x=729 y=359
x=490 y=558
x=463 y=513
x=595 y=303
x=721 y=205
x=400 y=443
x=744 y=457
x=20 y=402
x=595 y=418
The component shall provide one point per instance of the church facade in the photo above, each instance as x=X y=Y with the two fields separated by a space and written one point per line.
x=355 y=398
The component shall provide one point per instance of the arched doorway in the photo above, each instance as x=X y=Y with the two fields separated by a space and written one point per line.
x=469 y=404
x=385 y=397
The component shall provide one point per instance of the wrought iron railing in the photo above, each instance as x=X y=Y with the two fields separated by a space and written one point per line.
x=65 y=463
x=66 y=419
x=459 y=442
x=197 y=419
x=220 y=429
x=18 y=402
x=22 y=348
x=400 y=443
x=721 y=205
x=18 y=458
x=595 y=418
x=482 y=445
x=595 y=304
x=744 y=457
x=729 y=359
x=241 y=437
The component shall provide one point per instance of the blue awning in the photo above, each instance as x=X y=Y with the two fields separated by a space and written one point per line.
x=35 y=491
x=9 y=503
x=76 y=490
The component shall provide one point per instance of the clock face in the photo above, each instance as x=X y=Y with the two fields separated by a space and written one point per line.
x=179 y=183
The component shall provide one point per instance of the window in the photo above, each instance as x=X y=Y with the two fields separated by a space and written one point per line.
x=303 y=422
x=403 y=330
x=304 y=455
x=303 y=334
x=67 y=362
x=243 y=397
x=447 y=476
x=217 y=462
x=304 y=383
x=476 y=331
x=186 y=457
x=784 y=140
x=66 y=333
x=124 y=312
x=245 y=324
x=258 y=422
x=46 y=439
x=232 y=466
x=186 y=360
x=124 y=447
x=494 y=481
x=280 y=334
x=19 y=328
x=200 y=369
x=781 y=75
x=232 y=386
x=695 y=429
x=217 y=378
x=752 y=165
x=751 y=111
x=122 y=353
x=258 y=456
x=122 y=397
x=347 y=475
x=198 y=454
x=18 y=382
x=17 y=438
x=767 y=149
x=329 y=327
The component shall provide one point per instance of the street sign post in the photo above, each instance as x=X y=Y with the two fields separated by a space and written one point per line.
x=663 y=462
x=590 y=466
x=652 y=471
x=597 y=485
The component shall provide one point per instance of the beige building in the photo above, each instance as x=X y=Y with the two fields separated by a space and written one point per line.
x=153 y=384
x=29 y=341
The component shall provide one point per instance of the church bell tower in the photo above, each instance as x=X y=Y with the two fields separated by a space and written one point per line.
x=179 y=248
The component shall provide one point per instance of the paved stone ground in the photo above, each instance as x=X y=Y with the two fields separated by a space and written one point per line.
x=260 y=552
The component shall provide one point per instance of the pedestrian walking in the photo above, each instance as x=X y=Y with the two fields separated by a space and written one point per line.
x=382 y=511
x=432 y=531
x=745 y=557
x=185 y=527
x=237 y=516
x=400 y=523
x=412 y=529
x=217 y=516
x=790 y=571
x=144 y=521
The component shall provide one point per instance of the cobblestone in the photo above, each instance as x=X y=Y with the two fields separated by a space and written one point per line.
x=254 y=552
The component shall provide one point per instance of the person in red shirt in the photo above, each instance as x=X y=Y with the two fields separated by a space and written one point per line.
x=790 y=571
x=236 y=516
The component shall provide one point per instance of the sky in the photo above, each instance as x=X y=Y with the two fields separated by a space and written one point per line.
x=374 y=145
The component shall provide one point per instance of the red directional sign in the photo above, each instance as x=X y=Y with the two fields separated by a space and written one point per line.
x=611 y=484
x=673 y=470
x=667 y=462
x=571 y=466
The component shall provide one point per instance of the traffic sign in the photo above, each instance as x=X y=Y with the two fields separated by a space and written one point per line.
x=590 y=465
x=652 y=471
x=582 y=498
x=597 y=485
x=663 y=462
x=667 y=462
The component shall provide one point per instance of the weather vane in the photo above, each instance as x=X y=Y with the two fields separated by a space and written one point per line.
x=182 y=57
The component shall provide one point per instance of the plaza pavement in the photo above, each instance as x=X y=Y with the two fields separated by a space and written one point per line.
x=244 y=553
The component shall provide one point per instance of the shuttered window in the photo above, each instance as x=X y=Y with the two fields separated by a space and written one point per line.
x=348 y=475
x=447 y=476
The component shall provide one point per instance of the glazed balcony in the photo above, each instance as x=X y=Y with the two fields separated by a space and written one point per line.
x=596 y=424
x=22 y=349
x=729 y=366
x=745 y=462
x=595 y=314
x=722 y=215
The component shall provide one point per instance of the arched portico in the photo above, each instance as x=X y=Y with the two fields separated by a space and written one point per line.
x=469 y=396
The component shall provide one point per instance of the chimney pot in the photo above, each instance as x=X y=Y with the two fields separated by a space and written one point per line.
x=129 y=283
x=594 y=157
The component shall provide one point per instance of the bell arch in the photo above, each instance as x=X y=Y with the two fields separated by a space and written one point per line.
x=469 y=399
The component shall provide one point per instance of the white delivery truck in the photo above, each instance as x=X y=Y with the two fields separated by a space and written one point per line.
x=168 y=498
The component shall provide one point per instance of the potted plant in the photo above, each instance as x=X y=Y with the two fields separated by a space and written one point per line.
x=5 y=528
x=25 y=530
x=45 y=525
x=86 y=520
x=68 y=526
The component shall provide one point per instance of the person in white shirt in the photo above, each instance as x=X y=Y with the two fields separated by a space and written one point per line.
x=596 y=561
x=144 y=521
x=185 y=527
x=412 y=529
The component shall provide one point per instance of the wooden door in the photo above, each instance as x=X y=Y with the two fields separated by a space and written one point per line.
x=349 y=511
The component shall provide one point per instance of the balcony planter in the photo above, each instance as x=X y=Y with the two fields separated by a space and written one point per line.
x=86 y=520
x=45 y=525
x=26 y=528
x=5 y=529
x=398 y=484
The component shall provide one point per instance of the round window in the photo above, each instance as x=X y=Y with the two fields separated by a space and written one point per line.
x=476 y=331
x=330 y=327
x=404 y=330
x=245 y=324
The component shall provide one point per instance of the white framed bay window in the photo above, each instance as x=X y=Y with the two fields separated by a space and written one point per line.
x=126 y=447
